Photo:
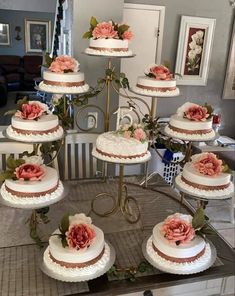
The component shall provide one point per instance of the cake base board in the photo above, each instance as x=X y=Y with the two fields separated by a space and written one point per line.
x=175 y=268
x=60 y=93
x=107 y=54
x=192 y=138
x=82 y=278
x=168 y=94
x=201 y=195
x=33 y=138
x=35 y=206
x=136 y=160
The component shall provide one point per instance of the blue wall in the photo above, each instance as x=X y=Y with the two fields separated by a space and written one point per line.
x=16 y=18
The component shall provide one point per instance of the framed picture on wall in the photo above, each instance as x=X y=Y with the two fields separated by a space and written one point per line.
x=194 y=50
x=229 y=83
x=5 y=34
x=37 y=35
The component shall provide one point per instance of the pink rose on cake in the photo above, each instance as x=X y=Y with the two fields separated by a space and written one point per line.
x=80 y=233
x=104 y=30
x=29 y=172
x=178 y=229
x=64 y=64
x=31 y=110
x=134 y=130
x=208 y=164
x=127 y=35
x=139 y=134
x=158 y=72
x=195 y=112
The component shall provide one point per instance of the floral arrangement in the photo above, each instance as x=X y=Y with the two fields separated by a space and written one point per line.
x=25 y=169
x=195 y=112
x=193 y=58
x=181 y=229
x=209 y=164
x=135 y=131
x=64 y=64
x=158 y=72
x=76 y=232
x=107 y=30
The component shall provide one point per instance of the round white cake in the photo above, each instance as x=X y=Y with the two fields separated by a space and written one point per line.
x=45 y=128
x=204 y=185
x=113 y=146
x=71 y=262
x=33 y=192
x=71 y=82
x=184 y=128
x=109 y=47
x=153 y=87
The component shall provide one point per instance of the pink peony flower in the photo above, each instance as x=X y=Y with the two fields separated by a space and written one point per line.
x=64 y=64
x=104 y=30
x=209 y=165
x=30 y=111
x=177 y=230
x=127 y=134
x=139 y=134
x=31 y=172
x=128 y=35
x=161 y=72
x=79 y=236
x=196 y=113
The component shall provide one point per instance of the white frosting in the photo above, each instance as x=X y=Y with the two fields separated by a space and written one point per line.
x=63 y=77
x=189 y=137
x=179 y=268
x=44 y=123
x=147 y=92
x=49 y=181
x=76 y=256
x=109 y=43
x=187 y=250
x=192 y=175
x=91 y=51
x=15 y=200
x=56 y=135
x=75 y=272
x=184 y=123
x=209 y=194
x=148 y=81
x=115 y=144
x=63 y=89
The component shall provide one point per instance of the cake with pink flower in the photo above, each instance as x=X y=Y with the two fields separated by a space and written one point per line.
x=108 y=38
x=63 y=76
x=33 y=122
x=206 y=175
x=27 y=181
x=191 y=122
x=126 y=145
x=158 y=81
x=77 y=248
x=178 y=245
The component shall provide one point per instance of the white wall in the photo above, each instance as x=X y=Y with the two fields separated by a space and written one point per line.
x=29 y=5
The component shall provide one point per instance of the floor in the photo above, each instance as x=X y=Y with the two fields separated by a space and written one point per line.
x=217 y=211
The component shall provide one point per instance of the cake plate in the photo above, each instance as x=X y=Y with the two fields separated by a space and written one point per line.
x=84 y=276
x=156 y=94
x=38 y=205
x=109 y=56
x=199 y=265
x=62 y=93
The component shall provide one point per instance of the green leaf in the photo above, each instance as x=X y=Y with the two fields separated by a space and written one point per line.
x=93 y=22
x=150 y=75
x=199 y=219
x=167 y=64
x=14 y=163
x=207 y=230
x=87 y=35
x=10 y=112
x=64 y=224
x=108 y=72
x=21 y=102
x=226 y=168
x=6 y=175
x=64 y=242
x=209 y=109
x=123 y=28
x=48 y=59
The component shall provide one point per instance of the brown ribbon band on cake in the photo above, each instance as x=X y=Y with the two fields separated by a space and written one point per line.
x=120 y=156
x=162 y=89
x=31 y=194
x=189 y=132
x=178 y=260
x=204 y=187
x=29 y=132
x=108 y=49
x=77 y=265
x=59 y=83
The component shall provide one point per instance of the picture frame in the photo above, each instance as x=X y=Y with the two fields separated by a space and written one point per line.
x=37 y=35
x=5 y=34
x=229 y=82
x=194 y=50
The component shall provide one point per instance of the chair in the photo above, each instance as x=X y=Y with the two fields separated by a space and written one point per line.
x=79 y=162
